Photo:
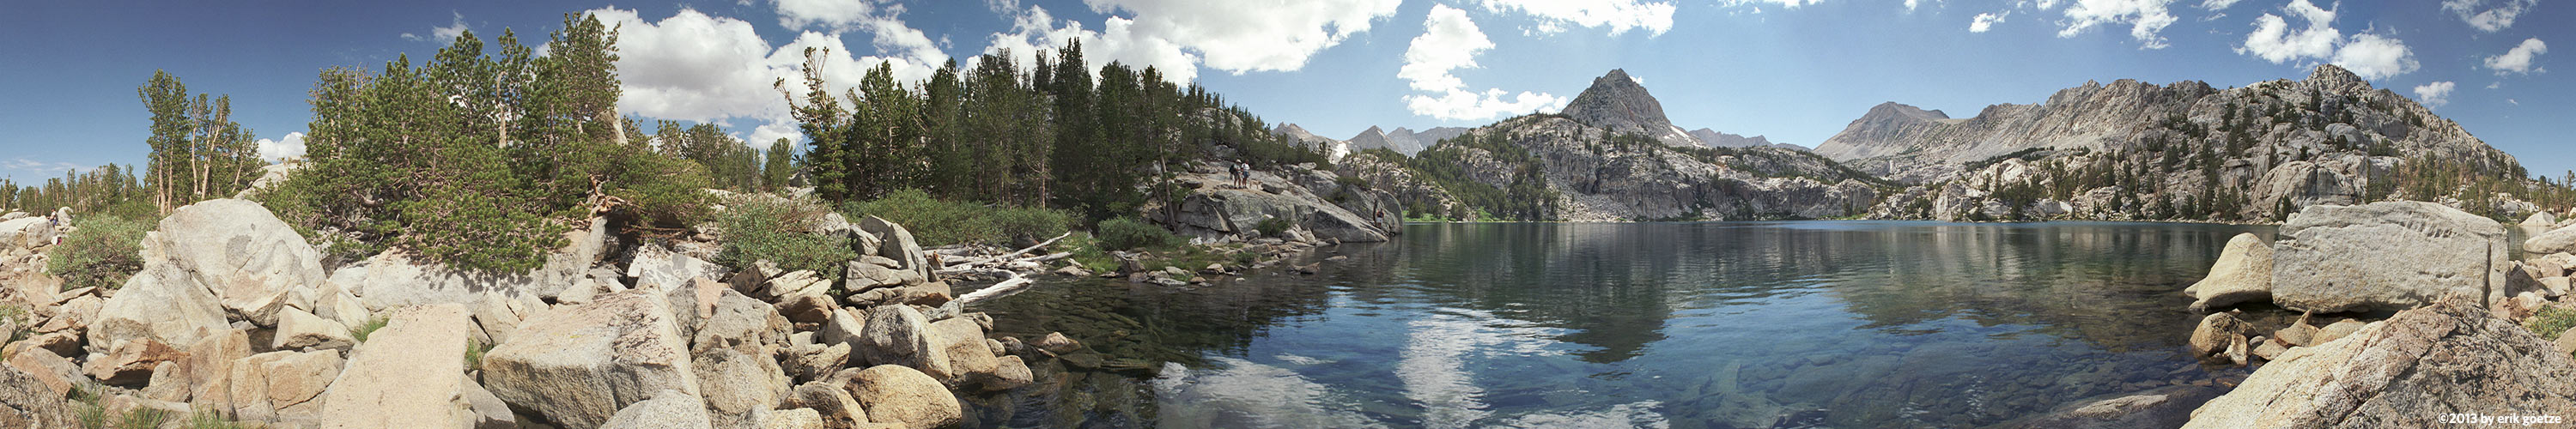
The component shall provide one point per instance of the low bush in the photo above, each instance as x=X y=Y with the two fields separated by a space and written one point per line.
x=361 y=331
x=1128 y=233
x=1272 y=227
x=2551 y=321
x=937 y=222
x=102 y=253
x=776 y=231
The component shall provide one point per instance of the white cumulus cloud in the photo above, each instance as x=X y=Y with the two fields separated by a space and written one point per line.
x=1987 y=21
x=1451 y=41
x=2274 y=41
x=1555 y=16
x=824 y=14
x=1792 y=4
x=696 y=67
x=2489 y=19
x=2374 y=57
x=2435 y=94
x=2370 y=56
x=1176 y=37
x=2217 y=4
x=1035 y=30
x=290 y=146
x=1247 y=36
x=2146 y=19
x=2518 y=60
x=442 y=34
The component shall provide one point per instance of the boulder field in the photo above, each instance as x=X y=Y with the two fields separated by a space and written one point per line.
x=234 y=316
x=2449 y=338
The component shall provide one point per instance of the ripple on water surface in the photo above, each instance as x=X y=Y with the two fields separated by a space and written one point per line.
x=1744 y=324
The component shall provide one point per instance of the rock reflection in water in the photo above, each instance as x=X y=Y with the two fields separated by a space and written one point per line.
x=1842 y=324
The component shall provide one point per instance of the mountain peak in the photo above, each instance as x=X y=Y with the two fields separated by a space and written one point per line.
x=1901 y=110
x=2337 y=79
x=1615 y=101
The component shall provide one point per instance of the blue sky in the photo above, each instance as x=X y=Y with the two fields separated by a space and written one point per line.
x=1795 y=70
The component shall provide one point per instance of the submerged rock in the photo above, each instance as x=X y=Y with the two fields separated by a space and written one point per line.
x=2392 y=255
x=2411 y=370
x=2243 y=273
x=2160 y=408
x=2219 y=334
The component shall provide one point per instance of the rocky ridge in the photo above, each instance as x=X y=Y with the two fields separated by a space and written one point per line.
x=1713 y=138
x=1333 y=150
x=1591 y=171
x=1402 y=140
x=2131 y=150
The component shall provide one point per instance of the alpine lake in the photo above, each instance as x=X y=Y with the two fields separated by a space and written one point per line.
x=1686 y=325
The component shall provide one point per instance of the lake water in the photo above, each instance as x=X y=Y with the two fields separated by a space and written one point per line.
x=1726 y=324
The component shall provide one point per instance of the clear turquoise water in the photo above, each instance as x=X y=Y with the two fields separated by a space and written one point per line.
x=1731 y=324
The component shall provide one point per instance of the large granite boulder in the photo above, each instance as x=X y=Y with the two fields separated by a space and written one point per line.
x=2540 y=220
x=131 y=363
x=297 y=329
x=661 y=269
x=201 y=378
x=237 y=249
x=575 y=365
x=2413 y=370
x=2561 y=240
x=900 y=335
x=25 y=402
x=25 y=232
x=2390 y=255
x=391 y=279
x=273 y=385
x=409 y=374
x=2243 y=273
x=161 y=303
x=739 y=386
x=669 y=409
x=903 y=396
x=898 y=245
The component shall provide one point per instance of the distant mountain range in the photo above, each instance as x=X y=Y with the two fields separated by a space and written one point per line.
x=2123 y=150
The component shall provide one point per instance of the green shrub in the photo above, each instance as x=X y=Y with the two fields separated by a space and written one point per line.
x=2551 y=321
x=142 y=418
x=102 y=253
x=361 y=331
x=936 y=222
x=1128 y=233
x=209 y=419
x=474 y=353
x=776 y=231
x=1272 y=227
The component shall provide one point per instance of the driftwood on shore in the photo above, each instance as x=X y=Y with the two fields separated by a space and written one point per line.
x=1003 y=261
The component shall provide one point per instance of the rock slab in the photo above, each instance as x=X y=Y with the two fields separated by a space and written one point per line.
x=409 y=374
x=2391 y=255
x=2408 y=371
x=577 y=365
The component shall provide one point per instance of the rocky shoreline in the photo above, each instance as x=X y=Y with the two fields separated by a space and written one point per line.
x=2399 y=314
x=235 y=318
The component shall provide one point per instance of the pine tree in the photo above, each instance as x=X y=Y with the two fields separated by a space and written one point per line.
x=779 y=166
